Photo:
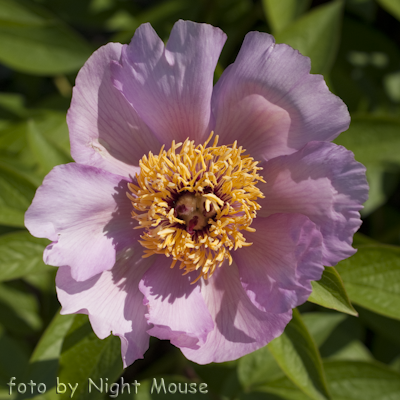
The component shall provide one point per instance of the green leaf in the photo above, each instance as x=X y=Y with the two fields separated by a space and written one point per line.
x=365 y=56
x=345 y=342
x=347 y=380
x=330 y=292
x=221 y=378
x=298 y=356
x=372 y=278
x=33 y=41
x=391 y=6
x=321 y=324
x=19 y=310
x=21 y=254
x=53 y=126
x=374 y=140
x=387 y=327
x=316 y=35
x=280 y=389
x=282 y=13
x=352 y=380
x=45 y=154
x=376 y=196
x=43 y=365
x=14 y=358
x=16 y=194
x=353 y=351
x=257 y=368
x=85 y=356
x=167 y=387
x=13 y=103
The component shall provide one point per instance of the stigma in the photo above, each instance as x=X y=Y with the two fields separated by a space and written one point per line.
x=193 y=204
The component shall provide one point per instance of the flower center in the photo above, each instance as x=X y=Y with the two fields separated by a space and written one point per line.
x=193 y=204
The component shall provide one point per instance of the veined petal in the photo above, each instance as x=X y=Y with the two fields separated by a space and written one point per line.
x=112 y=301
x=277 y=269
x=240 y=327
x=268 y=101
x=105 y=131
x=175 y=306
x=171 y=87
x=323 y=182
x=85 y=212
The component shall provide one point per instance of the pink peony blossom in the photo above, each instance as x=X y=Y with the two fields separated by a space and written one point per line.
x=200 y=242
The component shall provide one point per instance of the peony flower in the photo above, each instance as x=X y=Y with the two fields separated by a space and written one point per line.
x=196 y=214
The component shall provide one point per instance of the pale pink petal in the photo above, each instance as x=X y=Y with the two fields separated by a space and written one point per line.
x=171 y=87
x=277 y=269
x=105 y=130
x=85 y=212
x=268 y=101
x=112 y=301
x=240 y=327
x=323 y=182
x=175 y=306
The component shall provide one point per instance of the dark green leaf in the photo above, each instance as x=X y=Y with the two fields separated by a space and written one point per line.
x=391 y=6
x=298 y=356
x=347 y=380
x=21 y=254
x=316 y=35
x=16 y=194
x=351 y=380
x=321 y=324
x=372 y=278
x=374 y=140
x=171 y=387
x=257 y=368
x=33 y=41
x=282 y=13
x=85 y=356
x=221 y=378
x=387 y=327
x=345 y=342
x=43 y=365
x=14 y=357
x=45 y=154
x=330 y=292
x=281 y=389
x=19 y=310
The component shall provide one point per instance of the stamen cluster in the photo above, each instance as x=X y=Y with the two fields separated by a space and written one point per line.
x=218 y=182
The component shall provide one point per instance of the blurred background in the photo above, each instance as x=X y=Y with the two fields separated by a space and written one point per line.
x=355 y=44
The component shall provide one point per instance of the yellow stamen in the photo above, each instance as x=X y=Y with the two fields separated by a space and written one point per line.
x=193 y=204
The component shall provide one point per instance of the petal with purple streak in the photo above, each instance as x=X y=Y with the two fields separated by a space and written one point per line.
x=323 y=182
x=85 y=212
x=111 y=301
x=277 y=269
x=239 y=326
x=175 y=306
x=171 y=87
x=268 y=101
x=105 y=130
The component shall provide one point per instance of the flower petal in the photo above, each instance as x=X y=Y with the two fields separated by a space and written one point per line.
x=112 y=301
x=240 y=327
x=277 y=269
x=171 y=87
x=269 y=102
x=85 y=212
x=323 y=182
x=105 y=130
x=175 y=306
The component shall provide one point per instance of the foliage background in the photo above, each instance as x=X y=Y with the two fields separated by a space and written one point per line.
x=326 y=352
